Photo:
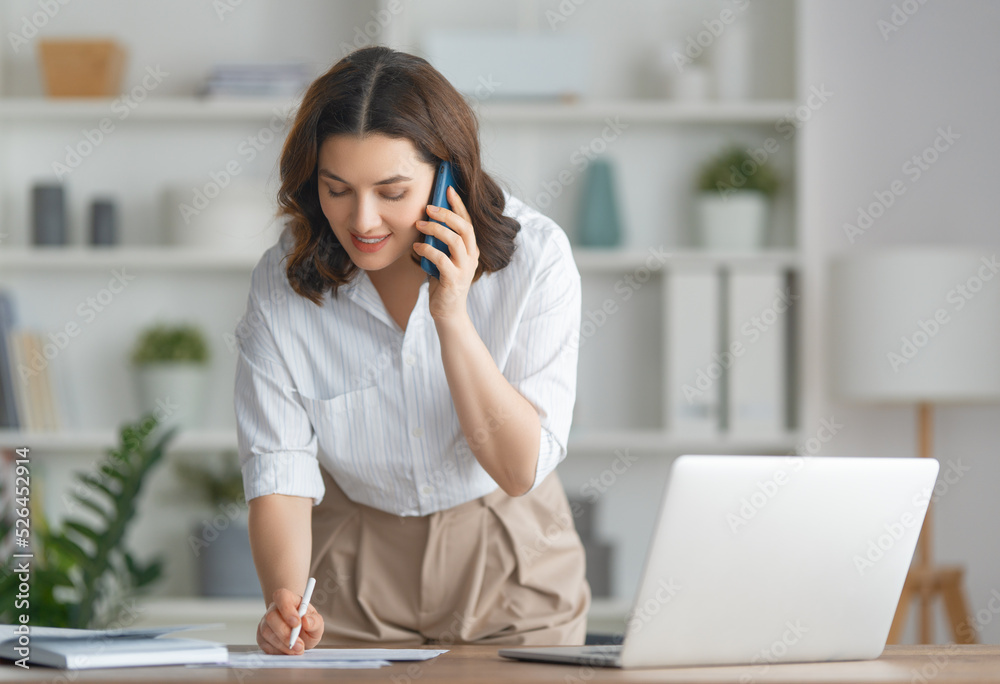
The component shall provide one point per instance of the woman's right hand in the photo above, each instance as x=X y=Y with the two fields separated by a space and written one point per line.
x=275 y=628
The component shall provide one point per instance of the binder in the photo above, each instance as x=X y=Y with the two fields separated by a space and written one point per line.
x=759 y=303
x=694 y=365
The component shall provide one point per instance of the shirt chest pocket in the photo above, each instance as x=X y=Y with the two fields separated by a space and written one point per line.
x=349 y=427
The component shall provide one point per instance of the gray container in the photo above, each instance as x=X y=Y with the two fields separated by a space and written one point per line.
x=103 y=223
x=48 y=214
x=225 y=564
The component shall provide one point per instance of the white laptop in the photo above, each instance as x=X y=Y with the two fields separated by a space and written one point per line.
x=770 y=559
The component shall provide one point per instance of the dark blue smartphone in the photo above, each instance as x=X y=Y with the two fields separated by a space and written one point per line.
x=439 y=198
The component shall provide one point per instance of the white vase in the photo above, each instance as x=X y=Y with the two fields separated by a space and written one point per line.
x=239 y=218
x=173 y=391
x=737 y=222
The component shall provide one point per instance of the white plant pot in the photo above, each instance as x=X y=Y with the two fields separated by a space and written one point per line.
x=173 y=391
x=737 y=222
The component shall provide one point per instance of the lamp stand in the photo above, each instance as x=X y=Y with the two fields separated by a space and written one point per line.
x=925 y=581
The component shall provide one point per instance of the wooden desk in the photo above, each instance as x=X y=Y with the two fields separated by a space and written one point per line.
x=480 y=664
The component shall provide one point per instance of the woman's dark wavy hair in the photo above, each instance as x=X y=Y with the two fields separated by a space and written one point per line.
x=380 y=90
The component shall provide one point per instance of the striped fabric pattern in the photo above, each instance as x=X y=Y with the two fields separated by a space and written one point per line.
x=341 y=384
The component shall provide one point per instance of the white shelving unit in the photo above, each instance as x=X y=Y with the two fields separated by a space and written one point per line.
x=524 y=143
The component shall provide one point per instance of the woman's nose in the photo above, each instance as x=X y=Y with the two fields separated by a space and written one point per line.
x=366 y=216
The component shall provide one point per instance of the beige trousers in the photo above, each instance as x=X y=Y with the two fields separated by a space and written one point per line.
x=495 y=570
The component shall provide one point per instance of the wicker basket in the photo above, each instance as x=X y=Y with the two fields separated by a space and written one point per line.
x=82 y=68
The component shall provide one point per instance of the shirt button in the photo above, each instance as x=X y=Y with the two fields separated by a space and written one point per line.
x=426 y=490
x=418 y=432
x=411 y=360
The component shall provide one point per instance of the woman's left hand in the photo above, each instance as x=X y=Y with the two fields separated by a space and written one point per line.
x=448 y=293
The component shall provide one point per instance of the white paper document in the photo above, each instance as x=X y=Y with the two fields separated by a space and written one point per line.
x=333 y=657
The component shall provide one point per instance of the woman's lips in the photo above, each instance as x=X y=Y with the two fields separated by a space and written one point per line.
x=369 y=246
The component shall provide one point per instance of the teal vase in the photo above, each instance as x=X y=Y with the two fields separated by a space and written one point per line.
x=600 y=221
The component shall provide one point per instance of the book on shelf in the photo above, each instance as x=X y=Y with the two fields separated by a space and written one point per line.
x=8 y=402
x=27 y=395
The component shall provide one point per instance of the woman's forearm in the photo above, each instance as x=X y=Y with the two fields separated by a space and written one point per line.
x=281 y=541
x=501 y=426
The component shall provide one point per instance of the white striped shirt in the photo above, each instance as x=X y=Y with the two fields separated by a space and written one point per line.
x=344 y=386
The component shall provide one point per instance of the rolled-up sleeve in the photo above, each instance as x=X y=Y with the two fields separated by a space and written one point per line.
x=542 y=365
x=277 y=444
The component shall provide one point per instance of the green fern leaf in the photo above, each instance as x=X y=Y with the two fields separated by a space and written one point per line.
x=84 y=501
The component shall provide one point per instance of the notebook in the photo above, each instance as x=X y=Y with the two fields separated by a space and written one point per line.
x=78 y=649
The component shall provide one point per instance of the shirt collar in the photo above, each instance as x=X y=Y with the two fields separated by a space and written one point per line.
x=362 y=292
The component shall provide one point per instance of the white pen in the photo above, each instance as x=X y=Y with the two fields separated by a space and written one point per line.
x=303 y=607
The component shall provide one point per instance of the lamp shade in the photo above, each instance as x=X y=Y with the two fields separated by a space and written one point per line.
x=916 y=324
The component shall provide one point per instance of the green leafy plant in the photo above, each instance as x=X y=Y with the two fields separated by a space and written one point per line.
x=81 y=574
x=164 y=343
x=219 y=483
x=734 y=169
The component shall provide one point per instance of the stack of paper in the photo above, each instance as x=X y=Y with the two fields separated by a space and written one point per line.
x=333 y=658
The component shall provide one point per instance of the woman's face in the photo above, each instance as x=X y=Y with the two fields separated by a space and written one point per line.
x=372 y=191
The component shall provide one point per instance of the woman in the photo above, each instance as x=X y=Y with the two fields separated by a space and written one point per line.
x=399 y=433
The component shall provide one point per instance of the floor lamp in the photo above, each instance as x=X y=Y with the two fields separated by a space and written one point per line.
x=918 y=326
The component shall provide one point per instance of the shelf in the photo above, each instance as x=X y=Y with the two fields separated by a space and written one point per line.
x=636 y=111
x=79 y=441
x=253 y=109
x=89 y=441
x=613 y=260
x=153 y=109
x=663 y=441
x=102 y=258
x=588 y=259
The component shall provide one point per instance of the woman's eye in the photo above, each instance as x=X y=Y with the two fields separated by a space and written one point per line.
x=395 y=198
x=331 y=193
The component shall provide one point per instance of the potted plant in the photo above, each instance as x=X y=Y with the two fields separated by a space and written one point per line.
x=82 y=574
x=735 y=191
x=221 y=540
x=170 y=368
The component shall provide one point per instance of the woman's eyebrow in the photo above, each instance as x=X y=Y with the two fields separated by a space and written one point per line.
x=388 y=181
